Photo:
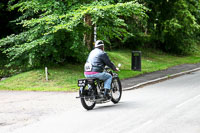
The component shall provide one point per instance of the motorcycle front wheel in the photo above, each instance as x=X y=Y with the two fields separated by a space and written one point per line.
x=116 y=90
x=87 y=99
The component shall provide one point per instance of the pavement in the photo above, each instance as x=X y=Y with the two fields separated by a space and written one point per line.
x=149 y=78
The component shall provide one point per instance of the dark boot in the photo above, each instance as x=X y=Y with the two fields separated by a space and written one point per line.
x=107 y=94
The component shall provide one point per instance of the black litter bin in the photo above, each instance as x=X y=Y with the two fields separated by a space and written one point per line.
x=136 y=60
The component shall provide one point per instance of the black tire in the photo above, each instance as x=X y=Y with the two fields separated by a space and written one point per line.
x=86 y=103
x=116 y=90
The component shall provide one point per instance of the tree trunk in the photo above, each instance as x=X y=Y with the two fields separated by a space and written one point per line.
x=89 y=36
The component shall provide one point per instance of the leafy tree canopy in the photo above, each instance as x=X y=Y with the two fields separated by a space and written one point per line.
x=174 y=24
x=53 y=30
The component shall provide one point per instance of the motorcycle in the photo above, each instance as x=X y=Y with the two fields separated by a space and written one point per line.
x=91 y=90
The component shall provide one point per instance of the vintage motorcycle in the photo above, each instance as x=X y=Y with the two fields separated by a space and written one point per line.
x=91 y=90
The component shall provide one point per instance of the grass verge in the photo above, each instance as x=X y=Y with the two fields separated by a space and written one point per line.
x=65 y=78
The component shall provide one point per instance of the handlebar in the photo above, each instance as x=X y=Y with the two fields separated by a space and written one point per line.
x=107 y=68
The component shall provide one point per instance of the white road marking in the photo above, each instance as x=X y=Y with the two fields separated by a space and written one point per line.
x=178 y=106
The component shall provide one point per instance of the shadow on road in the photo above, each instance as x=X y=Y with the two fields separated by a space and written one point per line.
x=121 y=105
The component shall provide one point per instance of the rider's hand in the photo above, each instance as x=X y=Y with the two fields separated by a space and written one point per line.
x=117 y=69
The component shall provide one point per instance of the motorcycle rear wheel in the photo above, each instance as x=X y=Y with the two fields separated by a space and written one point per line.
x=87 y=102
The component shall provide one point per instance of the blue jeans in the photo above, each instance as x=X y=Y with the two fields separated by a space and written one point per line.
x=106 y=77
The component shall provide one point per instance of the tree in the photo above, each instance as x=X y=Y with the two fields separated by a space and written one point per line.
x=53 y=30
x=174 y=25
x=7 y=27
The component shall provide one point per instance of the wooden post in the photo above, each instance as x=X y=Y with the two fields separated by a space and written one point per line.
x=46 y=73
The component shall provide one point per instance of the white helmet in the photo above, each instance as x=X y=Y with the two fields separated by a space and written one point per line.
x=99 y=43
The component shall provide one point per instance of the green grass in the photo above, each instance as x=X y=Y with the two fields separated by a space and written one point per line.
x=60 y=79
x=151 y=61
x=65 y=78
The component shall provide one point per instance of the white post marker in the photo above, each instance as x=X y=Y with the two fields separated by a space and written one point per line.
x=95 y=33
x=46 y=73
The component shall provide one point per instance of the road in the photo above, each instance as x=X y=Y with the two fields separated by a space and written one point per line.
x=170 y=106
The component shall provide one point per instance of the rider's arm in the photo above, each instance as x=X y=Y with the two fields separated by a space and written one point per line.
x=107 y=61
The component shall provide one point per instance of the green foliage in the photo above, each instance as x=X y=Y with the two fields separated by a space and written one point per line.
x=174 y=25
x=53 y=30
x=181 y=29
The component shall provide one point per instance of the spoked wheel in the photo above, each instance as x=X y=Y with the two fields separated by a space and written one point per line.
x=116 y=90
x=87 y=99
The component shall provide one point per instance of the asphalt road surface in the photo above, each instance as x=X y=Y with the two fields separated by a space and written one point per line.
x=170 y=106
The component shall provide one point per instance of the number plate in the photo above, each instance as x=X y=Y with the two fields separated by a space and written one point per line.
x=82 y=82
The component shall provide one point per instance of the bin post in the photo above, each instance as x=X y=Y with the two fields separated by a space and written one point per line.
x=136 y=60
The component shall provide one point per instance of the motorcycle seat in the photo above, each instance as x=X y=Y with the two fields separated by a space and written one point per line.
x=91 y=80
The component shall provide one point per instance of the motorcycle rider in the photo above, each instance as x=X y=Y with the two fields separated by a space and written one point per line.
x=95 y=64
